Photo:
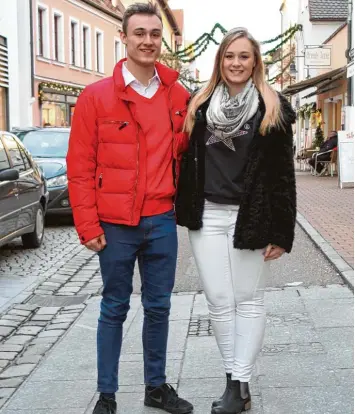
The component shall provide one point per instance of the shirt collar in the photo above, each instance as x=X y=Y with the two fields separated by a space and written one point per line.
x=129 y=77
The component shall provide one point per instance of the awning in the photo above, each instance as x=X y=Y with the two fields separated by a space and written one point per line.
x=312 y=82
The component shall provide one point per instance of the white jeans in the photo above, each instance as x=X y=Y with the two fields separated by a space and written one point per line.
x=234 y=283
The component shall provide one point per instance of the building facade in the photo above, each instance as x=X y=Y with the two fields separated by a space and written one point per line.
x=320 y=19
x=76 y=42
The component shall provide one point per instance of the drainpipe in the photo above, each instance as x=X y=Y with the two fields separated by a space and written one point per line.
x=31 y=51
x=350 y=81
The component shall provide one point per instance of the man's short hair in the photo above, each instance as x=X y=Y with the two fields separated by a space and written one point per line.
x=139 y=8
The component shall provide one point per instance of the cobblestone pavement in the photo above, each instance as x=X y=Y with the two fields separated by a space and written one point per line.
x=330 y=210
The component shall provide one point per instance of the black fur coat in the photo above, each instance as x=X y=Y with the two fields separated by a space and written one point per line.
x=267 y=212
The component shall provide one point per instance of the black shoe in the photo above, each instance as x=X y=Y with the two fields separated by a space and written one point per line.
x=218 y=402
x=105 y=406
x=166 y=398
x=233 y=402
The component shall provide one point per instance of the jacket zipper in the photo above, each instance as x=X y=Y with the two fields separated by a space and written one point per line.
x=137 y=174
x=173 y=131
x=100 y=180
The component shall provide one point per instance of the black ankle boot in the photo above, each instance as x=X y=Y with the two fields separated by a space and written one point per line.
x=233 y=402
x=219 y=401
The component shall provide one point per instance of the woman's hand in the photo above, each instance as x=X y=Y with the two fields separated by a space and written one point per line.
x=273 y=252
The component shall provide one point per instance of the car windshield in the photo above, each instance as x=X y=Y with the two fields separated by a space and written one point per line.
x=47 y=144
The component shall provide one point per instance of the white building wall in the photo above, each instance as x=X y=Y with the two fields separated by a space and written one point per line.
x=15 y=26
x=313 y=33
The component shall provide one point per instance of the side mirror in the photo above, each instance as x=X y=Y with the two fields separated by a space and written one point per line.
x=9 y=175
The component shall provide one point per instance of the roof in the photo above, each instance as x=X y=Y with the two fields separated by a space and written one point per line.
x=328 y=10
x=312 y=82
x=107 y=7
x=170 y=16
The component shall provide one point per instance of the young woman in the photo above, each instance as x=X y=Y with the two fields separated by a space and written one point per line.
x=237 y=196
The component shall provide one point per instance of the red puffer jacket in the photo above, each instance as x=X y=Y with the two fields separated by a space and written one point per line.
x=100 y=145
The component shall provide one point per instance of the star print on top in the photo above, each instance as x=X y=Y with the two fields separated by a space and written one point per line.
x=225 y=162
x=227 y=141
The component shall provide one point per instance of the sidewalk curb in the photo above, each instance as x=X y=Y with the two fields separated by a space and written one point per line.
x=345 y=270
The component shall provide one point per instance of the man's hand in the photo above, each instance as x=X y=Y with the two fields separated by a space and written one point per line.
x=96 y=244
x=273 y=252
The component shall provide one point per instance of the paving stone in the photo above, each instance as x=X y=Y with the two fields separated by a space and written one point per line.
x=11 y=382
x=26 y=307
x=18 y=371
x=66 y=289
x=43 y=292
x=6 y=322
x=29 y=359
x=3 y=363
x=38 y=349
x=8 y=355
x=47 y=288
x=11 y=348
x=6 y=392
x=6 y=330
x=58 y=326
x=51 y=284
x=29 y=330
x=54 y=333
x=19 y=339
x=41 y=317
x=47 y=310
x=35 y=323
x=14 y=317
x=19 y=312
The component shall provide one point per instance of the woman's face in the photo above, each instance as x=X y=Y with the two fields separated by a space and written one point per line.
x=239 y=62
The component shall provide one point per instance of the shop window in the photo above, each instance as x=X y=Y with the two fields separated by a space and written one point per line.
x=3 y=108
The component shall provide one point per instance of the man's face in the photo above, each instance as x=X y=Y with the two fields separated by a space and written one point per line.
x=143 y=39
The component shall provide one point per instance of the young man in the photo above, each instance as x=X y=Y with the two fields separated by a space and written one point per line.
x=123 y=163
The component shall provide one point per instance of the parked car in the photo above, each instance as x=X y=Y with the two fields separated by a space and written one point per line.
x=49 y=147
x=23 y=194
x=21 y=132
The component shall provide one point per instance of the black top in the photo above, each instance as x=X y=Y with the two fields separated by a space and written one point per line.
x=225 y=164
x=267 y=212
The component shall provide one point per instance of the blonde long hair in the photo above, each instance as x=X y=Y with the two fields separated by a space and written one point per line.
x=273 y=116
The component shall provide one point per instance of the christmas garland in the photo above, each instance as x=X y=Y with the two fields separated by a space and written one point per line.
x=202 y=43
x=59 y=87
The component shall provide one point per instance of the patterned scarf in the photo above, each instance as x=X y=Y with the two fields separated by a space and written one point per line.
x=226 y=115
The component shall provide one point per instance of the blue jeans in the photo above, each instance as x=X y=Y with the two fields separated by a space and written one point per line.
x=154 y=243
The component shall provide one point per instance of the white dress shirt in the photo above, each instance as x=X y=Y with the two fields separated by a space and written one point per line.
x=146 y=91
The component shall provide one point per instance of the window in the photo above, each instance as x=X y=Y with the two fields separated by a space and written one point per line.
x=74 y=43
x=4 y=162
x=117 y=50
x=86 y=46
x=58 y=36
x=99 y=51
x=43 y=47
x=40 y=32
x=25 y=158
x=14 y=152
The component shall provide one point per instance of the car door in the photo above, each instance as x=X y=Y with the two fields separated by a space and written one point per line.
x=9 y=201
x=27 y=185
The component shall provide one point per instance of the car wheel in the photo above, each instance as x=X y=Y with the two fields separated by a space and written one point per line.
x=34 y=239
